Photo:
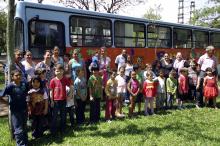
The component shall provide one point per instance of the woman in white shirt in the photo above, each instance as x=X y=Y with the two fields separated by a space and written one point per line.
x=29 y=65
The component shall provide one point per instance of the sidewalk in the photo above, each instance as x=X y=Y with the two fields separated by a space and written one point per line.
x=3 y=108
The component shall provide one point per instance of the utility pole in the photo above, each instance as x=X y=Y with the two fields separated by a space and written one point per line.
x=181 y=12
x=192 y=10
x=10 y=37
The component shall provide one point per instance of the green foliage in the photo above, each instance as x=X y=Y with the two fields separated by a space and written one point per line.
x=208 y=16
x=189 y=127
x=152 y=13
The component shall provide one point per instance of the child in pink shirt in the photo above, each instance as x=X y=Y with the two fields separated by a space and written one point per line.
x=149 y=90
x=183 y=87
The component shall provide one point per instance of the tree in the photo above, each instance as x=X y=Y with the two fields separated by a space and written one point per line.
x=10 y=36
x=3 y=25
x=208 y=16
x=153 y=13
x=109 y=6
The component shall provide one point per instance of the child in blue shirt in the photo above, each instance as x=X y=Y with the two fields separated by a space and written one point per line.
x=17 y=91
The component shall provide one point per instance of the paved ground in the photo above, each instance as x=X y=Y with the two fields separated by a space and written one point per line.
x=3 y=108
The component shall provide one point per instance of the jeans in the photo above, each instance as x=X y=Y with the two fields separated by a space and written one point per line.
x=19 y=121
x=110 y=108
x=95 y=110
x=38 y=125
x=70 y=111
x=59 y=107
x=80 y=111
x=170 y=98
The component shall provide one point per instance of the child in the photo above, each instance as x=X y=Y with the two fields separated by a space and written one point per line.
x=80 y=91
x=148 y=68
x=17 y=91
x=38 y=106
x=149 y=89
x=171 y=88
x=139 y=76
x=95 y=91
x=70 y=100
x=161 y=93
x=121 y=91
x=111 y=92
x=41 y=72
x=210 y=87
x=58 y=99
x=183 y=86
x=133 y=88
x=193 y=80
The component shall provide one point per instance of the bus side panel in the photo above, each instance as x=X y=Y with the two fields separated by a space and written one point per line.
x=148 y=55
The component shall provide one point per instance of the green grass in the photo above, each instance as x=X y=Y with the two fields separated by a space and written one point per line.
x=173 y=127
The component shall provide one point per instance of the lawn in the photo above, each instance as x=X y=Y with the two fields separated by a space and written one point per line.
x=172 y=127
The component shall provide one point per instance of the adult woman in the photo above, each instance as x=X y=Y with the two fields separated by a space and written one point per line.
x=47 y=65
x=29 y=65
x=179 y=62
x=128 y=67
x=166 y=64
x=75 y=64
x=56 y=59
x=104 y=65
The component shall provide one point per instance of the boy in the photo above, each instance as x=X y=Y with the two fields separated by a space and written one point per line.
x=80 y=89
x=171 y=88
x=17 y=91
x=95 y=90
x=58 y=98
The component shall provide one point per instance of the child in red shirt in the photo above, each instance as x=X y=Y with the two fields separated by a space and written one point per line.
x=58 y=98
x=149 y=90
x=183 y=86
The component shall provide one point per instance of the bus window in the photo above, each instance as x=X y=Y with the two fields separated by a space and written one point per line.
x=45 y=35
x=215 y=39
x=182 y=38
x=129 y=34
x=90 y=32
x=19 y=36
x=158 y=36
x=201 y=39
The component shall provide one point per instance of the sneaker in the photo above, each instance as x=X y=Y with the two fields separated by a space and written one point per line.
x=108 y=121
x=179 y=108
x=146 y=114
x=197 y=106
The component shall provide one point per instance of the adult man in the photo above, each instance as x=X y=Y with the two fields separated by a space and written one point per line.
x=205 y=61
x=121 y=59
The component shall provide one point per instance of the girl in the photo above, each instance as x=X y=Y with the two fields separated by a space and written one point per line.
x=70 y=100
x=121 y=90
x=183 y=86
x=161 y=94
x=133 y=88
x=37 y=106
x=210 y=87
x=111 y=92
x=149 y=90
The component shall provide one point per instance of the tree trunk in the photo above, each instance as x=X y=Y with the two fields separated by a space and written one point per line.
x=10 y=36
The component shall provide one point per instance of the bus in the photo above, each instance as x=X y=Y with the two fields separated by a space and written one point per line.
x=39 y=27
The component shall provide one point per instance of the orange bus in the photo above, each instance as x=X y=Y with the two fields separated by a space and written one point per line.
x=39 y=27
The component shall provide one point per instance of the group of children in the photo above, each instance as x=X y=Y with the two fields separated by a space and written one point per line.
x=45 y=103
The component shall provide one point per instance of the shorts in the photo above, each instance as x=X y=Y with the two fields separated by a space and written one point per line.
x=139 y=98
x=183 y=97
x=122 y=96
